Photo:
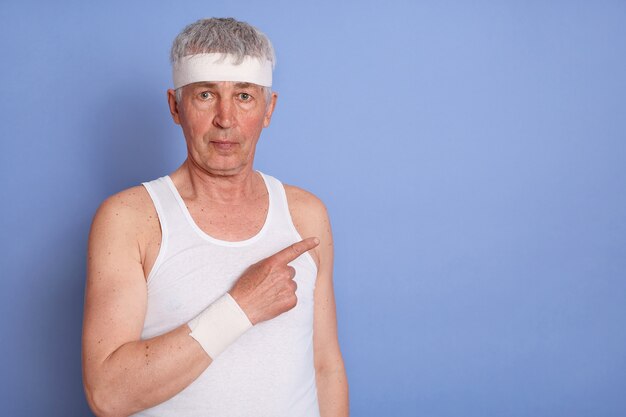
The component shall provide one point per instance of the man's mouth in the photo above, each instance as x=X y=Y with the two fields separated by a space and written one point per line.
x=223 y=145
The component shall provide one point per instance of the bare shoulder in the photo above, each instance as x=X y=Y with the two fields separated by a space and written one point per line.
x=301 y=200
x=310 y=217
x=307 y=210
x=133 y=199
x=128 y=218
x=125 y=208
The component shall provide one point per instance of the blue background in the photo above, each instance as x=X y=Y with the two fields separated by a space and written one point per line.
x=472 y=158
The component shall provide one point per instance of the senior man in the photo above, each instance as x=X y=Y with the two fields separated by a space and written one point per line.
x=202 y=297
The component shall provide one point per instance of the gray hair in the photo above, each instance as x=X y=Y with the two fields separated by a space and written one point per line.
x=222 y=35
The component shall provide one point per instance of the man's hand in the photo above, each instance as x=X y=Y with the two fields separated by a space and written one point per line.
x=267 y=288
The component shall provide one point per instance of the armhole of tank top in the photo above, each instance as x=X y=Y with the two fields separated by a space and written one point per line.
x=157 y=205
x=283 y=196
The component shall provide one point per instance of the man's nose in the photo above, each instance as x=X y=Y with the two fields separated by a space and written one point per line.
x=223 y=114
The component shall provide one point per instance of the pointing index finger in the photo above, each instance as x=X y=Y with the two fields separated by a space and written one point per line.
x=293 y=251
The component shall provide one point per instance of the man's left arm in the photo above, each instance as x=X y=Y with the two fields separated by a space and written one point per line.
x=311 y=219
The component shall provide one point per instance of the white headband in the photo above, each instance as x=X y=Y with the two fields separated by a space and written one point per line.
x=220 y=67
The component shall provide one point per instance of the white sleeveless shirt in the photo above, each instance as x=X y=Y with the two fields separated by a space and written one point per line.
x=267 y=372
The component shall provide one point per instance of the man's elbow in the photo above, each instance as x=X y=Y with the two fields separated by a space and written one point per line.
x=97 y=402
x=330 y=365
x=103 y=402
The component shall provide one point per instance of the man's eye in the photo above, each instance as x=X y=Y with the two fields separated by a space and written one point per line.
x=245 y=96
x=205 y=95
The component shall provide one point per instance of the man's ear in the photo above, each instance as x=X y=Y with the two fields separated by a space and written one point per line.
x=171 y=101
x=270 y=109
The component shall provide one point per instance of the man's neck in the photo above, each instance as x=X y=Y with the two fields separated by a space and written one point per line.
x=194 y=183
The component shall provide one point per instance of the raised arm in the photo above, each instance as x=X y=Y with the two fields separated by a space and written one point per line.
x=123 y=374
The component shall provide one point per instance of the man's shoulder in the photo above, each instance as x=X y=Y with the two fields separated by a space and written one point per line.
x=125 y=208
x=308 y=213
x=310 y=218
x=304 y=201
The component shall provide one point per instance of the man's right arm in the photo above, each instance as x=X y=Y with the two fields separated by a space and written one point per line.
x=123 y=374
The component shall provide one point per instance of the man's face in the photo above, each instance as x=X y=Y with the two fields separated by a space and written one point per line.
x=222 y=122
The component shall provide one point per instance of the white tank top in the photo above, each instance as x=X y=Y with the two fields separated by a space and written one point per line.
x=269 y=370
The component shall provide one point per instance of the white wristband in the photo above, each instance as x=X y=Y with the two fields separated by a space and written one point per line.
x=219 y=325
